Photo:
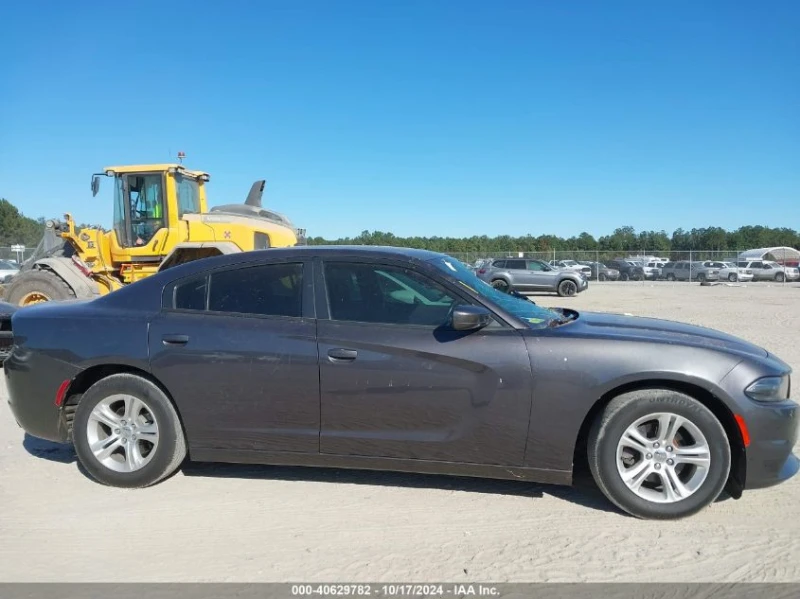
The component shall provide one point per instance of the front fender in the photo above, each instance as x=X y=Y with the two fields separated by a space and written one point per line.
x=570 y=378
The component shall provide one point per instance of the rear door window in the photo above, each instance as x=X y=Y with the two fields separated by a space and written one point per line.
x=264 y=290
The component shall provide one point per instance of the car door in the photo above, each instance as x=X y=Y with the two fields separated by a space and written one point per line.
x=396 y=382
x=237 y=351
x=540 y=275
x=520 y=276
x=758 y=270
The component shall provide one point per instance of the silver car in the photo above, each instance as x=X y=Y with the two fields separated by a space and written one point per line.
x=729 y=271
x=7 y=271
x=767 y=270
x=519 y=274
x=683 y=270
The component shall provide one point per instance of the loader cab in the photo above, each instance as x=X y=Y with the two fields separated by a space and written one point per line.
x=149 y=202
x=139 y=208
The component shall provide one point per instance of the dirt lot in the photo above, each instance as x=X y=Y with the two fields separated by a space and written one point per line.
x=231 y=523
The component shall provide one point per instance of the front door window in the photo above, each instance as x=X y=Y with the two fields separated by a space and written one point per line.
x=138 y=208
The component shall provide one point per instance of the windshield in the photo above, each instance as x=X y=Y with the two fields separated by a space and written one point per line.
x=535 y=316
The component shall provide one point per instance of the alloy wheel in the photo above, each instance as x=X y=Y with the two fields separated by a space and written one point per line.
x=663 y=457
x=122 y=433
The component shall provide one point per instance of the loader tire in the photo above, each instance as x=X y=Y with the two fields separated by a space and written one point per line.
x=36 y=286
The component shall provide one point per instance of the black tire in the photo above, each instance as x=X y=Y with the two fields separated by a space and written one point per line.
x=622 y=412
x=623 y=276
x=39 y=283
x=670 y=277
x=780 y=277
x=732 y=277
x=602 y=277
x=567 y=288
x=170 y=450
x=701 y=277
x=638 y=277
x=501 y=285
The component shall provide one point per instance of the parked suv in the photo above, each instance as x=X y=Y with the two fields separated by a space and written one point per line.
x=766 y=270
x=728 y=271
x=518 y=274
x=600 y=272
x=628 y=270
x=572 y=265
x=683 y=270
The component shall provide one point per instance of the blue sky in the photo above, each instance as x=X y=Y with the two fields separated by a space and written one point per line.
x=416 y=117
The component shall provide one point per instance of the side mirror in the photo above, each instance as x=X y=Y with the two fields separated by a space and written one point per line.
x=470 y=318
x=95 y=185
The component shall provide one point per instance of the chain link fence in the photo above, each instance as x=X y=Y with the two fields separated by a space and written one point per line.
x=647 y=266
x=13 y=254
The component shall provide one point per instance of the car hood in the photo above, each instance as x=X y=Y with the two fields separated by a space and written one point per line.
x=655 y=330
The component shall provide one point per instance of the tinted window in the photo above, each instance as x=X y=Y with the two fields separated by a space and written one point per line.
x=191 y=295
x=385 y=294
x=270 y=290
x=499 y=263
x=515 y=264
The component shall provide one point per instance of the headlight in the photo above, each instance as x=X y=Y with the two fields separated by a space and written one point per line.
x=769 y=388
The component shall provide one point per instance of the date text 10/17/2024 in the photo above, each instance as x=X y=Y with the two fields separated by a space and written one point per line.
x=395 y=590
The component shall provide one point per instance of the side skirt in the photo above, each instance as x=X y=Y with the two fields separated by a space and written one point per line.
x=538 y=475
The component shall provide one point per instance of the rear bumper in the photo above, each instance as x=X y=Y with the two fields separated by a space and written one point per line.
x=32 y=387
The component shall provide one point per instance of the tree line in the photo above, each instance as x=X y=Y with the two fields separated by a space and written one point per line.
x=623 y=239
x=16 y=228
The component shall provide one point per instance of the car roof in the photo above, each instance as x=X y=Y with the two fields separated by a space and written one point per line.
x=144 y=291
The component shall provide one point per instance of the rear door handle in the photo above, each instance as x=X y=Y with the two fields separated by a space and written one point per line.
x=175 y=339
x=342 y=355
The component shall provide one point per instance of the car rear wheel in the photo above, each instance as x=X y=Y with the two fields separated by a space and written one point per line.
x=602 y=277
x=127 y=433
x=701 y=277
x=501 y=285
x=780 y=277
x=659 y=454
x=567 y=288
x=623 y=276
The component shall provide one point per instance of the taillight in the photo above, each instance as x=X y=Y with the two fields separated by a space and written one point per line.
x=482 y=271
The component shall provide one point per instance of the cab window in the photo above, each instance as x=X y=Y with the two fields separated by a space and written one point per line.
x=188 y=195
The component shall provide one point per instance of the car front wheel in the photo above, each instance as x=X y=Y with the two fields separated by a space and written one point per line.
x=567 y=288
x=127 y=433
x=732 y=277
x=659 y=454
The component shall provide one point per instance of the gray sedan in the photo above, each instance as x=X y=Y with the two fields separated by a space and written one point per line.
x=523 y=275
x=395 y=359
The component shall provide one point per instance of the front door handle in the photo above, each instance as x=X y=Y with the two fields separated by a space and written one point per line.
x=175 y=339
x=342 y=355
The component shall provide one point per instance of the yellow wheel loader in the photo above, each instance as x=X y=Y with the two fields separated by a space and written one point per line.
x=161 y=219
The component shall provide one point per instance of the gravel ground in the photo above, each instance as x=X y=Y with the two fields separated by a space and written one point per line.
x=243 y=523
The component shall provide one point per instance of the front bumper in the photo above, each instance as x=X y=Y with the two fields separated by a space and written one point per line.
x=773 y=433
